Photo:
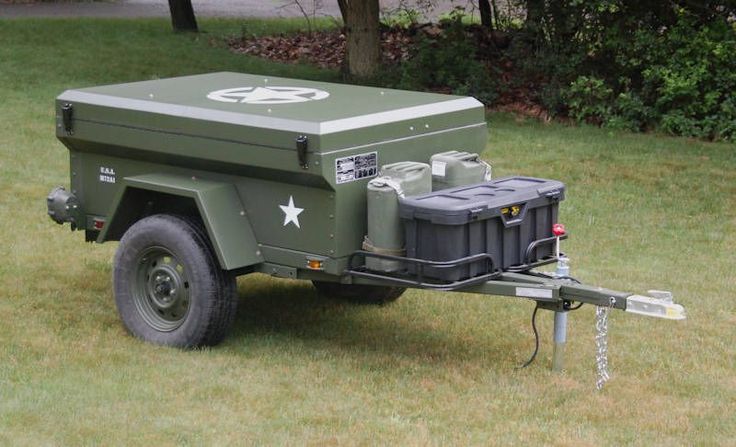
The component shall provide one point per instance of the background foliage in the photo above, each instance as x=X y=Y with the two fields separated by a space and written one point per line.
x=628 y=64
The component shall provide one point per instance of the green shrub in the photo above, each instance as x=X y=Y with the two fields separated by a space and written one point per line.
x=680 y=79
x=624 y=64
x=695 y=81
x=588 y=99
x=629 y=112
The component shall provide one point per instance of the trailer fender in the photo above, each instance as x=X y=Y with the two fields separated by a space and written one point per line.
x=218 y=204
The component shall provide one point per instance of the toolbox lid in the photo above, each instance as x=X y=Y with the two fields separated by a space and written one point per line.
x=463 y=204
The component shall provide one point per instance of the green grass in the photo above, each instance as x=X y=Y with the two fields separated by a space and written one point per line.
x=643 y=210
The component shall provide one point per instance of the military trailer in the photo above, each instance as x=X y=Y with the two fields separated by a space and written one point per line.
x=364 y=191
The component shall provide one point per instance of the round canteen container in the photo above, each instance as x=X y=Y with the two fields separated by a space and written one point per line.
x=385 y=229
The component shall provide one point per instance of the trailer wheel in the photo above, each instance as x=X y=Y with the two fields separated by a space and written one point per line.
x=359 y=293
x=169 y=288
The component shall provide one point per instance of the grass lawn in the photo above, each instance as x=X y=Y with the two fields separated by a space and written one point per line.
x=644 y=211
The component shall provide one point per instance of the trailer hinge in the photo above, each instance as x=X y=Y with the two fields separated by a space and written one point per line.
x=301 y=150
x=67 y=112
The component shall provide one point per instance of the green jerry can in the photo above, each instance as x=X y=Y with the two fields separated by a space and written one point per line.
x=458 y=168
x=385 y=229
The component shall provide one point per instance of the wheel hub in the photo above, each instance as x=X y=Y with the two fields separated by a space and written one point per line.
x=162 y=292
x=164 y=288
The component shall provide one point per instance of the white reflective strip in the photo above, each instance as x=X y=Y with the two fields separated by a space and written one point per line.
x=374 y=119
x=533 y=293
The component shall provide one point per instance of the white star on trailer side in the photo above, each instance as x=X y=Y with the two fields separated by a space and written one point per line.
x=291 y=213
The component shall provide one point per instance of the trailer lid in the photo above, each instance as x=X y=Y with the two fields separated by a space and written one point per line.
x=295 y=105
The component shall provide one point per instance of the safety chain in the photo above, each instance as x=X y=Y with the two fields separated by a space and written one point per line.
x=601 y=344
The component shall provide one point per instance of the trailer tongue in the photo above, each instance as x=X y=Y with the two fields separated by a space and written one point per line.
x=557 y=292
x=363 y=191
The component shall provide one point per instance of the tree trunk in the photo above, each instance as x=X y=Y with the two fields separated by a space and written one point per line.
x=486 y=19
x=182 y=15
x=496 y=15
x=534 y=26
x=363 y=37
x=534 y=12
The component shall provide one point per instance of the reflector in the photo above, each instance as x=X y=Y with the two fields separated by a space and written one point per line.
x=558 y=229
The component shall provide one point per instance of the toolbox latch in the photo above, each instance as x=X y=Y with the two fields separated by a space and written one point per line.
x=475 y=213
x=301 y=150
x=67 y=110
x=553 y=192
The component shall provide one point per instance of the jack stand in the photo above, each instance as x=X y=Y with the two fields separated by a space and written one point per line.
x=560 y=328
x=558 y=355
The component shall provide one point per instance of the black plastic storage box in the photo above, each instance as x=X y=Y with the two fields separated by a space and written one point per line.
x=509 y=218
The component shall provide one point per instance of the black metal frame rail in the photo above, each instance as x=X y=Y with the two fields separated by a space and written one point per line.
x=418 y=279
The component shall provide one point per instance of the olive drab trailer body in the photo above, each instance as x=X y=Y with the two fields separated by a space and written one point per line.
x=308 y=146
x=365 y=191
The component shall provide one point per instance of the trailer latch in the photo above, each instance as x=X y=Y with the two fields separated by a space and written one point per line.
x=67 y=110
x=301 y=150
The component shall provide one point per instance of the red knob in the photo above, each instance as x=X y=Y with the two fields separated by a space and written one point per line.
x=558 y=229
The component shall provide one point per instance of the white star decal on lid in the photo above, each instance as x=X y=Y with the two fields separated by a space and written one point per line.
x=291 y=213
x=268 y=95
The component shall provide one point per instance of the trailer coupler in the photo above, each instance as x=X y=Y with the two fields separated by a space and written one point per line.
x=659 y=305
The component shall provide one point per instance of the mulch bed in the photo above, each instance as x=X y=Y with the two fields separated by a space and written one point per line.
x=326 y=49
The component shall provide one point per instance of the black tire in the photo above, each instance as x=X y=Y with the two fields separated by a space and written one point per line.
x=169 y=288
x=359 y=293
